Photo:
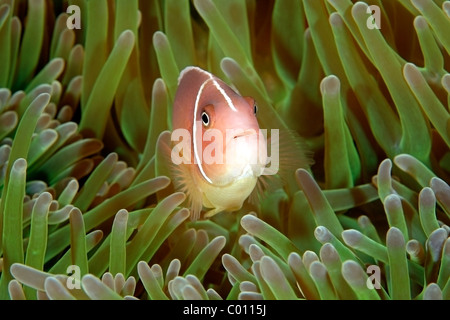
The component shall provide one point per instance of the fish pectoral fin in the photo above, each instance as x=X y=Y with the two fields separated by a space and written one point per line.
x=180 y=175
x=280 y=169
x=293 y=154
x=185 y=182
x=195 y=207
x=162 y=155
x=265 y=185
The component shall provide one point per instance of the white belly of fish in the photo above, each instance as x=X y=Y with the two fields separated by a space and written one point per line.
x=229 y=197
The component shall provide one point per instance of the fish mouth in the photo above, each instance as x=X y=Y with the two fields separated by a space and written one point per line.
x=244 y=133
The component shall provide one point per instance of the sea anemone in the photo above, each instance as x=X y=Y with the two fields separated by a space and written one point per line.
x=88 y=210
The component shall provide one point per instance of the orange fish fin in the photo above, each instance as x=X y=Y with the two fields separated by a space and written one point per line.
x=185 y=182
x=293 y=153
x=180 y=175
x=162 y=163
x=162 y=155
x=264 y=185
x=288 y=152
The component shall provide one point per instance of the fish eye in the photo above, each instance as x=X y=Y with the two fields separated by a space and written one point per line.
x=205 y=119
x=255 y=109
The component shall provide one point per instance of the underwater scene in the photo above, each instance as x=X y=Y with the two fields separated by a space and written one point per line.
x=225 y=149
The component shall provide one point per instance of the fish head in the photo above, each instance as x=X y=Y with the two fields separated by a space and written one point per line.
x=227 y=143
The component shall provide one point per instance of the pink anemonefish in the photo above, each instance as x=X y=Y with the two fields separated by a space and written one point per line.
x=222 y=154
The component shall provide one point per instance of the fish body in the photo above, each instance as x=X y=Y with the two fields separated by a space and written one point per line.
x=218 y=152
x=226 y=152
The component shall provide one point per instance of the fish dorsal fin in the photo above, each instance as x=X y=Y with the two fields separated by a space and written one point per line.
x=195 y=70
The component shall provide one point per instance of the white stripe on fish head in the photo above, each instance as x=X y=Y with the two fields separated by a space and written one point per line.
x=197 y=100
x=194 y=132
x=216 y=84
x=224 y=94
